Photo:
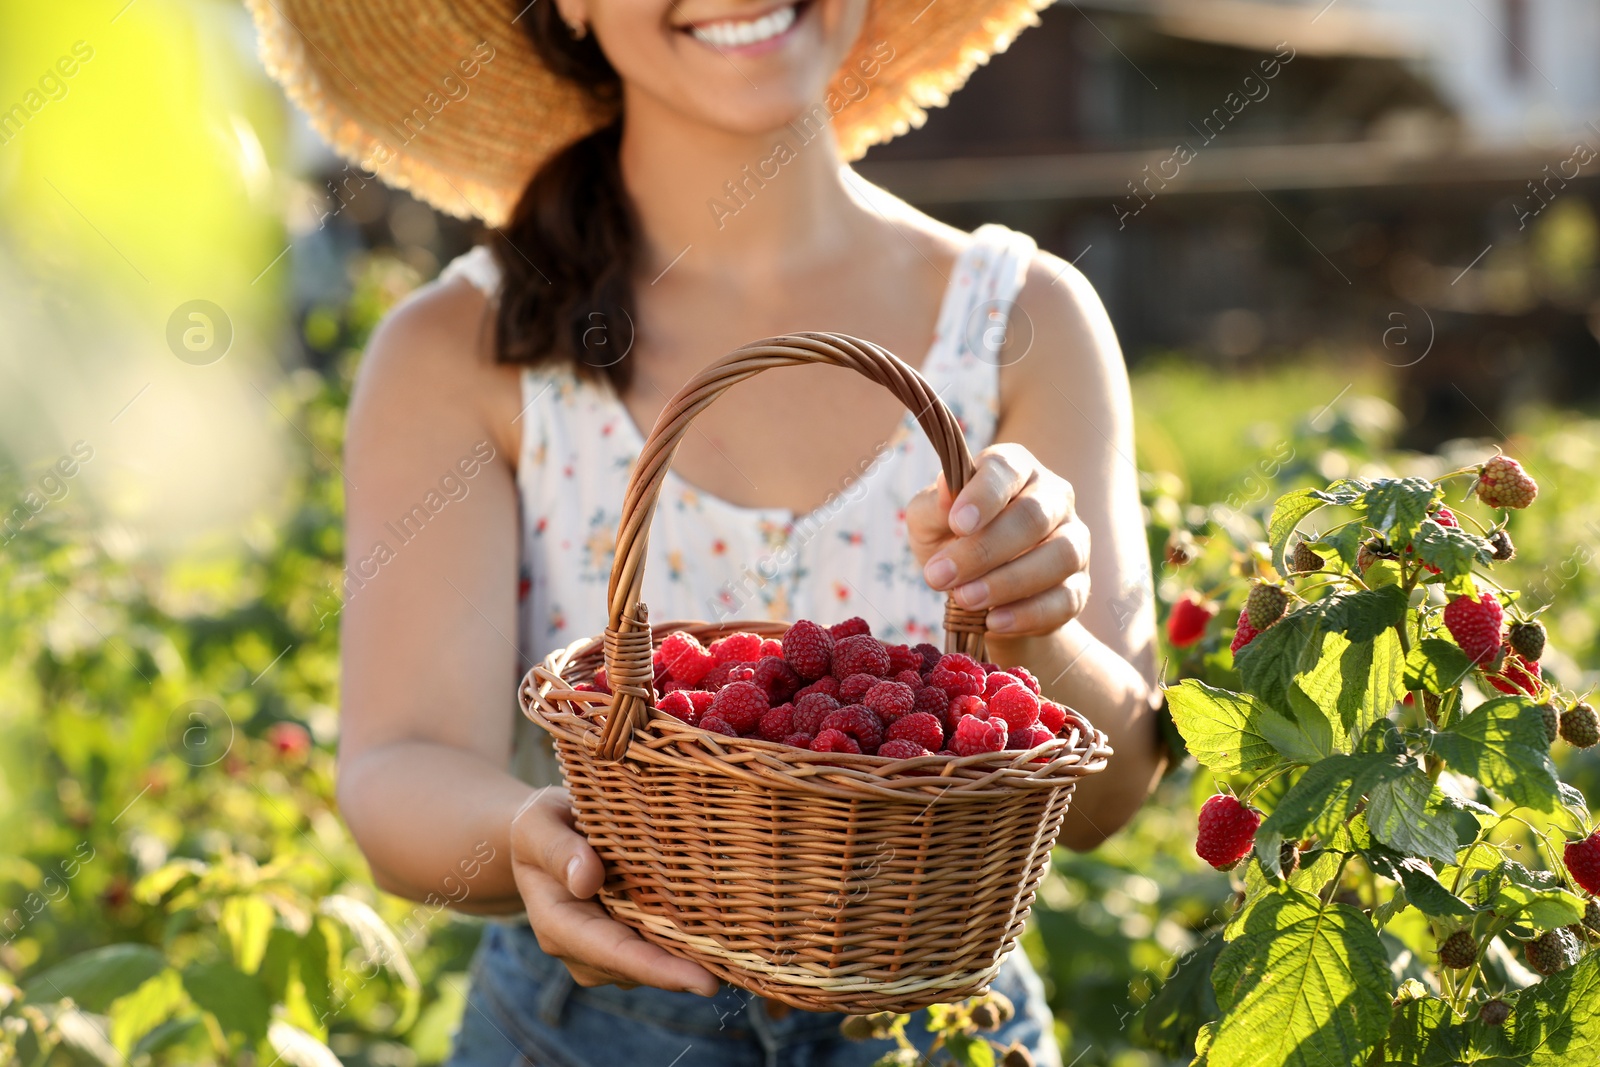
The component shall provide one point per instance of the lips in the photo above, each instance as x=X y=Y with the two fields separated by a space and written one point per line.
x=742 y=33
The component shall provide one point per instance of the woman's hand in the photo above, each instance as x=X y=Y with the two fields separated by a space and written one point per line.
x=1010 y=541
x=557 y=872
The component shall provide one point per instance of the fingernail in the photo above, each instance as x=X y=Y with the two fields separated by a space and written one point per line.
x=973 y=594
x=572 y=869
x=964 y=520
x=940 y=572
x=1000 y=619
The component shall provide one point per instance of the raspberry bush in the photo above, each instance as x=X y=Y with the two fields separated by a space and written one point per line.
x=1384 y=756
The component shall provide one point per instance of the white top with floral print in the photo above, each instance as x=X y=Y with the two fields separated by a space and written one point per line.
x=711 y=559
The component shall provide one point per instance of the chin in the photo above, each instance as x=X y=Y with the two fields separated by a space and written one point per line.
x=742 y=66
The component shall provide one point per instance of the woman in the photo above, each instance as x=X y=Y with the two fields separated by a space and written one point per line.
x=664 y=181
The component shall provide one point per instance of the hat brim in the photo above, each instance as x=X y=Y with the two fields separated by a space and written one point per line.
x=448 y=100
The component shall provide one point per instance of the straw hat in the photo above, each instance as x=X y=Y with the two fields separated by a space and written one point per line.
x=447 y=98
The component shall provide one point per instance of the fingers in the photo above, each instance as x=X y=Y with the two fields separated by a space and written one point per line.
x=1001 y=472
x=1041 y=506
x=598 y=949
x=1043 y=612
x=1063 y=553
x=927 y=519
x=556 y=871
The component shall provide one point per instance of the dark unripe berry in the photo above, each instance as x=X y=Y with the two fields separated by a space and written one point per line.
x=1266 y=604
x=1458 y=951
x=1504 y=550
x=1017 y=1056
x=1580 y=727
x=1550 y=718
x=1181 y=548
x=1305 y=559
x=874 y=1027
x=992 y=1012
x=1527 y=640
x=1289 y=858
x=1372 y=551
x=1591 y=915
x=1494 y=1012
x=1551 y=951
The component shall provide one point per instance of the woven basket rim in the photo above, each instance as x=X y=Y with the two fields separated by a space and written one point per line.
x=774 y=765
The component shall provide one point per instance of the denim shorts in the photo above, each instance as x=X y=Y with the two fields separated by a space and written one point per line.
x=524 y=1008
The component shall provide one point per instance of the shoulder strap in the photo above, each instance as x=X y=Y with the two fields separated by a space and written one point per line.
x=477 y=267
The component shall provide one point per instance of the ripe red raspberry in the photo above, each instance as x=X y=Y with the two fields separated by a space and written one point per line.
x=890 y=700
x=680 y=706
x=955 y=683
x=1052 y=716
x=771 y=646
x=717 y=676
x=1517 y=675
x=1583 y=862
x=1028 y=737
x=1017 y=705
x=1475 y=624
x=904 y=658
x=777 y=723
x=776 y=676
x=602 y=684
x=685 y=658
x=289 y=739
x=740 y=672
x=965 y=705
x=1187 y=622
x=808 y=648
x=855 y=688
x=1027 y=678
x=718 y=726
x=960 y=661
x=798 y=740
x=930 y=656
x=921 y=728
x=902 y=750
x=826 y=684
x=1527 y=639
x=1265 y=605
x=860 y=654
x=996 y=681
x=835 y=741
x=737 y=648
x=1227 y=831
x=910 y=678
x=974 y=735
x=741 y=705
x=1502 y=483
x=811 y=709
x=852 y=627
x=859 y=722
x=1244 y=633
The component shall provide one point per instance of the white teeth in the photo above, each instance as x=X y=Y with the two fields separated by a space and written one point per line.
x=750 y=31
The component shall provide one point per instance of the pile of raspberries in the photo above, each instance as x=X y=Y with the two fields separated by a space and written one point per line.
x=839 y=689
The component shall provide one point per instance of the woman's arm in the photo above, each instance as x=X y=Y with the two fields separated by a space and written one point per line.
x=1017 y=539
x=430 y=665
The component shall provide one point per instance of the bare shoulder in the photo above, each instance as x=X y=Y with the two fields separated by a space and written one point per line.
x=1060 y=334
x=432 y=355
x=917 y=234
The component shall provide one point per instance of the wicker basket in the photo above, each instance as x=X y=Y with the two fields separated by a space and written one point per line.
x=829 y=882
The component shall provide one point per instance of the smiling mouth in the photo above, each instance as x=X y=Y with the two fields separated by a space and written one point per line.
x=742 y=33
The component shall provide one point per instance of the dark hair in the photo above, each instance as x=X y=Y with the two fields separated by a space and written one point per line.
x=567 y=254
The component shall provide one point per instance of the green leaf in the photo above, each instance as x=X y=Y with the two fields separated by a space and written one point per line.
x=1305 y=984
x=433 y=1035
x=1286 y=515
x=1322 y=799
x=1451 y=549
x=1397 y=506
x=1295 y=644
x=1172 y=1019
x=1411 y=815
x=1385 y=680
x=1546 y=909
x=153 y=1003
x=1558 y=1020
x=1365 y=613
x=1426 y=1033
x=970 y=1050
x=167 y=1034
x=1346 y=541
x=239 y=1001
x=247 y=920
x=1306 y=738
x=1437 y=666
x=1501 y=743
x=1218 y=726
x=1421 y=883
x=318 y=962
x=296 y=1048
x=97 y=977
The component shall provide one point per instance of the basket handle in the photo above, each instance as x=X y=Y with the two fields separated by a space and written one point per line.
x=628 y=639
